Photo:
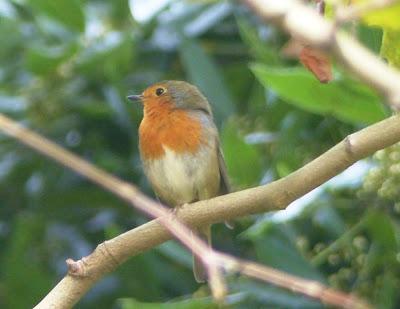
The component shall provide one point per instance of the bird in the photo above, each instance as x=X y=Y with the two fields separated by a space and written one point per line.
x=180 y=150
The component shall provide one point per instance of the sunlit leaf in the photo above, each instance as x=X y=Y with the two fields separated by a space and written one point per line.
x=391 y=47
x=345 y=99
x=387 y=17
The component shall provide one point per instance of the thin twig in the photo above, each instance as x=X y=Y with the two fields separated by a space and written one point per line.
x=306 y=287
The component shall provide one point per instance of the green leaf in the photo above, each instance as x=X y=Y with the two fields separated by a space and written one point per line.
x=347 y=100
x=244 y=166
x=45 y=60
x=67 y=12
x=383 y=232
x=197 y=303
x=391 y=47
x=204 y=73
x=371 y=37
x=387 y=18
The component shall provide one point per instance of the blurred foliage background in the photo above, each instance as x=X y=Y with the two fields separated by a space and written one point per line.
x=66 y=68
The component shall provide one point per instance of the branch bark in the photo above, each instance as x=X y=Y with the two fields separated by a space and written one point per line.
x=277 y=195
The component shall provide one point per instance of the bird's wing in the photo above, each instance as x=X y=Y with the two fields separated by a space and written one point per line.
x=225 y=186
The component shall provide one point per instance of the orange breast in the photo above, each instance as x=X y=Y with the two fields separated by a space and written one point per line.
x=164 y=126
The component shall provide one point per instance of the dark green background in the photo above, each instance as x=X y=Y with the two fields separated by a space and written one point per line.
x=66 y=67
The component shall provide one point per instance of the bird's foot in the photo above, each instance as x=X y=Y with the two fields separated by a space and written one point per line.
x=176 y=209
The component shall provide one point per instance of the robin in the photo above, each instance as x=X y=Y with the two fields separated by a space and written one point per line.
x=180 y=149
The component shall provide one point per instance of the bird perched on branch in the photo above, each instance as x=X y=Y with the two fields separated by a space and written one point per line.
x=180 y=149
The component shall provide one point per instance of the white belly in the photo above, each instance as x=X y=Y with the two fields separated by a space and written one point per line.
x=183 y=178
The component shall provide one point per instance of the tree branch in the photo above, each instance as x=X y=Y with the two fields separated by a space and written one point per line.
x=277 y=195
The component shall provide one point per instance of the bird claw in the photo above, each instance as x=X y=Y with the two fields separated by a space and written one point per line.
x=175 y=210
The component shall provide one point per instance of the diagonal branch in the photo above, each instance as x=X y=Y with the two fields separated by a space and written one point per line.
x=277 y=195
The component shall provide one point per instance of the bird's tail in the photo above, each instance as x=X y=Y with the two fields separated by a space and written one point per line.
x=199 y=270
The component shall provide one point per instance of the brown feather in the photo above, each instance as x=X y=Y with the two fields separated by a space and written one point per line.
x=225 y=186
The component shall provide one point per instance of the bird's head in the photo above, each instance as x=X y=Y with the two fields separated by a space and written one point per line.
x=172 y=94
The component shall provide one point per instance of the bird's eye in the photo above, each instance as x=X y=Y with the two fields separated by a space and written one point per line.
x=159 y=91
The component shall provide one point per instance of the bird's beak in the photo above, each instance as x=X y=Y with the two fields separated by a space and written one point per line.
x=135 y=97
